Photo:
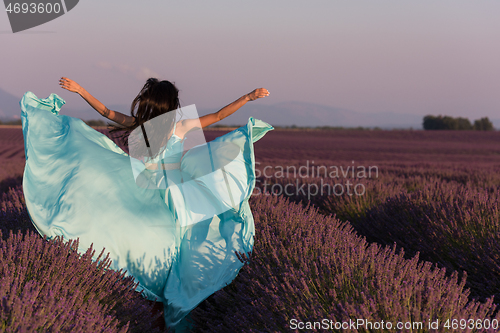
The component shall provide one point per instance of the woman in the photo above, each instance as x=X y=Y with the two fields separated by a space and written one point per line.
x=177 y=236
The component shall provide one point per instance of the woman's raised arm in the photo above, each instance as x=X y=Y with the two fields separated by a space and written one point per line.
x=212 y=118
x=115 y=116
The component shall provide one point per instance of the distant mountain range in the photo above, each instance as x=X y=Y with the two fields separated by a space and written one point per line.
x=9 y=105
x=312 y=115
x=280 y=114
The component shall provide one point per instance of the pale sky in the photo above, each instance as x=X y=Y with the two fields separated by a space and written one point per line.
x=417 y=57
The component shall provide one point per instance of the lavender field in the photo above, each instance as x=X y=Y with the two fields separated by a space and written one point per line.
x=356 y=230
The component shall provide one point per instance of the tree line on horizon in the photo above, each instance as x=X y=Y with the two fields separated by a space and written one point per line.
x=430 y=122
x=450 y=123
x=11 y=122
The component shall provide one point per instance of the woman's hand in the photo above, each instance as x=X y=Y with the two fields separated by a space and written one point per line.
x=119 y=117
x=70 y=85
x=257 y=93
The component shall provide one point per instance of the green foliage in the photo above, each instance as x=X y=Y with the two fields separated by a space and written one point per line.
x=11 y=122
x=459 y=123
x=483 y=124
x=464 y=123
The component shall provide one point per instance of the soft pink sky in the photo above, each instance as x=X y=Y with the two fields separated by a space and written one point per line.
x=415 y=57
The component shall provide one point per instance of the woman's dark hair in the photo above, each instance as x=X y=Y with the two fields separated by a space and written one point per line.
x=155 y=98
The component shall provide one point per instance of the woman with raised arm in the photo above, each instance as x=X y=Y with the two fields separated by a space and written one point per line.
x=174 y=221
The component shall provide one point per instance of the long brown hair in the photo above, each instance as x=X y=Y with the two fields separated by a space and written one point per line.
x=155 y=98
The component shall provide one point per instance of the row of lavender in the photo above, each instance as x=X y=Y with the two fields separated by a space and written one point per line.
x=46 y=286
x=308 y=268
x=314 y=272
x=449 y=215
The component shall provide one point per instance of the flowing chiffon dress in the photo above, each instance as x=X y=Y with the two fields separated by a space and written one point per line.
x=179 y=240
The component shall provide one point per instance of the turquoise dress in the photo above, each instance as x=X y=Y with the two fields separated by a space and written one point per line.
x=178 y=240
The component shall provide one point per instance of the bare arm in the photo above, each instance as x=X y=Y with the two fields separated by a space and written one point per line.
x=115 y=116
x=212 y=118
